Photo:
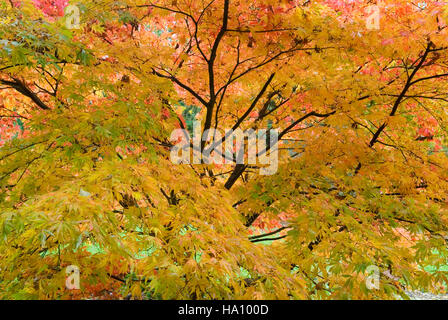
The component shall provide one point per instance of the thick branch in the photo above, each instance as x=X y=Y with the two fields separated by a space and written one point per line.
x=23 y=89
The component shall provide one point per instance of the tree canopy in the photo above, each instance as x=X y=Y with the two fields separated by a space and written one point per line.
x=86 y=116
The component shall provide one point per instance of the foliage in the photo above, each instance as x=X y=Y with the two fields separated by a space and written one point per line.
x=87 y=180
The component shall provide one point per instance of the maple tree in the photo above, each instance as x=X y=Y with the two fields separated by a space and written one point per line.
x=85 y=170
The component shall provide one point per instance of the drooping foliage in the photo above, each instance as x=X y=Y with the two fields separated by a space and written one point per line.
x=86 y=177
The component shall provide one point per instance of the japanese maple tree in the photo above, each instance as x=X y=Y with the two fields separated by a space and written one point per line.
x=85 y=170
